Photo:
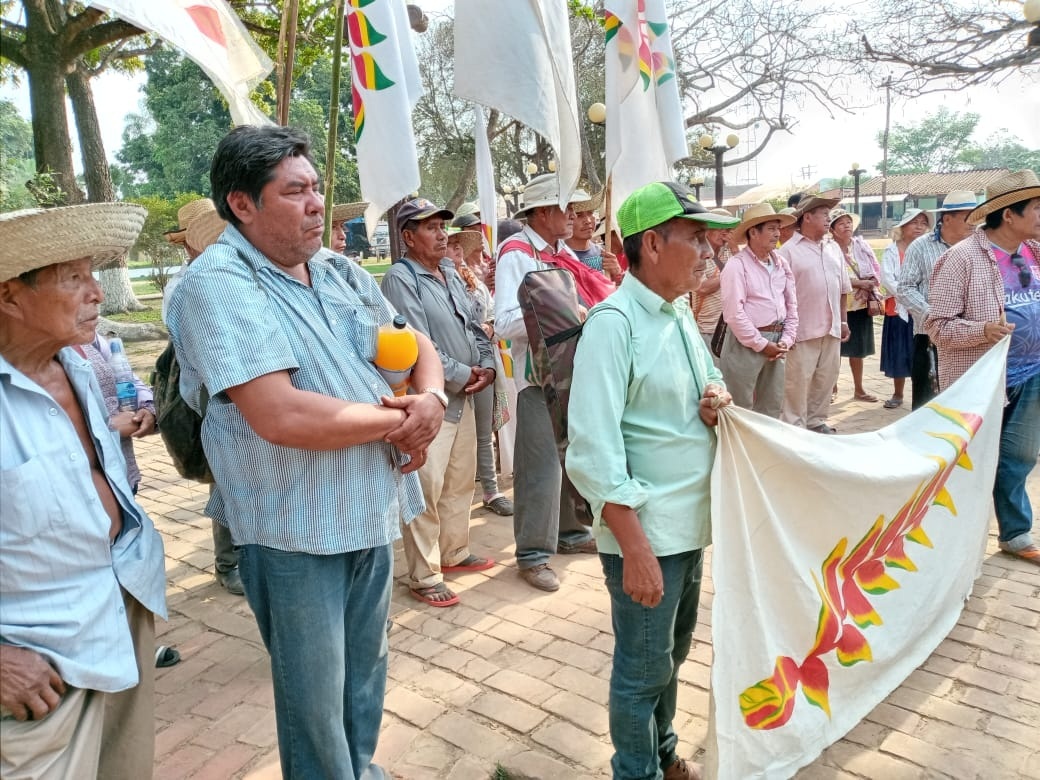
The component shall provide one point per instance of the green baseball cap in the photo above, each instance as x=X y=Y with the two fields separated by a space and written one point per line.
x=659 y=202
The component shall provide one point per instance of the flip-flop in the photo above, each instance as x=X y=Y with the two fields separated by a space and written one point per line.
x=893 y=403
x=166 y=656
x=866 y=398
x=1030 y=554
x=470 y=563
x=425 y=595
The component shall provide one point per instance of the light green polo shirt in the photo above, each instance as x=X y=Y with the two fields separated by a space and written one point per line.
x=636 y=437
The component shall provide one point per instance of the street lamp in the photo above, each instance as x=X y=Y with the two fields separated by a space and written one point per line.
x=707 y=143
x=597 y=113
x=697 y=182
x=532 y=168
x=513 y=192
x=855 y=172
x=1031 y=11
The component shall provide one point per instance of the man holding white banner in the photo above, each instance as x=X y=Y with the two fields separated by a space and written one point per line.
x=644 y=399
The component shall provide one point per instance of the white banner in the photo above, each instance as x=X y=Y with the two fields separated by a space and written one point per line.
x=517 y=58
x=486 y=196
x=385 y=87
x=645 y=129
x=211 y=35
x=839 y=564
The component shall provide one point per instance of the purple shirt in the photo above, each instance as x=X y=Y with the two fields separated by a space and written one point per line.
x=757 y=295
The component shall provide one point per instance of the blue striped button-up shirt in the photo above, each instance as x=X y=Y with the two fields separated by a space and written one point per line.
x=235 y=317
x=60 y=576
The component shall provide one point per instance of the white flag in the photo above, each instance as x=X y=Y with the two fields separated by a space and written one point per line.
x=385 y=88
x=485 y=180
x=517 y=58
x=645 y=129
x=839 y=563
x=210 y=34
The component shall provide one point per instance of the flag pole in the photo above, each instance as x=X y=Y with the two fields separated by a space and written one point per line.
x=330 y=149
x=286 y=57
x=608 y=218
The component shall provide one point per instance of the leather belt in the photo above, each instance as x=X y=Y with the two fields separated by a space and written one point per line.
x=776 y=327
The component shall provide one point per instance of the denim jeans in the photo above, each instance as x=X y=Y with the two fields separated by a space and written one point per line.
x=649 y=646
x=323 y=620
x=1019 y=445
x=544 y=514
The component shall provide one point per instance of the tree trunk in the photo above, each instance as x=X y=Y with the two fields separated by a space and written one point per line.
x=465 y=180
x=115 y=281
x=52 y=145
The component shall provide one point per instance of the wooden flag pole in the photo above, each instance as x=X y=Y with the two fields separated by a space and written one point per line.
x=286 y=57
x=330 y=149
x=608 y=217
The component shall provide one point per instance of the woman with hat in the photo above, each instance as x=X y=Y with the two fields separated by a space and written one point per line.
x=985 y=288
x=897 y=332
x=864 y=275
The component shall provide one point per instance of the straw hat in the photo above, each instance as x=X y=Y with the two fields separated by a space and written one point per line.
x=958 y=200
x=810 y=202
x=718 y=218
x=756 y=215
x=469 y=240
x=911 y=214
x=1013 y=188
x=592 y=204
x=468 y=208
x=34 y=238
x=838 y=213
x=185 y=214
x=344 y=211
x=544 y=190
x=204 y=228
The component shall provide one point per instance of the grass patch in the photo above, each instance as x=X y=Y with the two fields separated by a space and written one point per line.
x=144 y=287
x=151 y=315
x=501 y=773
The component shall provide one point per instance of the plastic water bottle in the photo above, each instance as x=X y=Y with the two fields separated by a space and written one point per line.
x=396 y=352
x=126 y=390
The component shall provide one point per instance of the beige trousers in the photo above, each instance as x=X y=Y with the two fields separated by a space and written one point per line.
x=108 y=736
x=440 y=535
x=812 y=370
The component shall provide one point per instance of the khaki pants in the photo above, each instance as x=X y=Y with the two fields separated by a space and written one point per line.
x=812 y=370
x=440 y=535
x=754 y=381
x=109 y=736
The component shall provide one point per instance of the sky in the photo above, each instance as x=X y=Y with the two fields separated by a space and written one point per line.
x=825 y=145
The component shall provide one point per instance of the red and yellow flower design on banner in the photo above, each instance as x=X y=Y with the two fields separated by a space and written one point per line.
x=653 y=65
x=367 y=74
x=846 y=581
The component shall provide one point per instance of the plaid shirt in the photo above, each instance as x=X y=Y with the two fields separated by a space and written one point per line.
x=918 y=263
x=708 y=308
x=966 y=291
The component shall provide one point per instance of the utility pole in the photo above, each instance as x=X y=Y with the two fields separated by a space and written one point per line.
x=884 y=164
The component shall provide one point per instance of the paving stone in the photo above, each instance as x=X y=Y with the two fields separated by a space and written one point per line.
x=574 y=744
x=472 y=737
x=508 y=711
x=582 y=683
x=412 y=707
x=520 y=686
x=579 y=711
x=534 y=765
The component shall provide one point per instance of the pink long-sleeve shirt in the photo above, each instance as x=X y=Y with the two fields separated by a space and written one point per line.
x=758 y=295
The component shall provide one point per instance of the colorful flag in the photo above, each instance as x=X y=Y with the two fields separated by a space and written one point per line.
x=486 y=196
x=839 y=564
x=517 y=58
x=645 y=132
x=385 y=87
x=210 y=34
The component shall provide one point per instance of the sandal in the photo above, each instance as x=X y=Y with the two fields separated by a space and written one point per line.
x=893 y=403
x=1030 y=554
x=470 y=563
x=166 y=656
x=429 y=595
x=866 y=398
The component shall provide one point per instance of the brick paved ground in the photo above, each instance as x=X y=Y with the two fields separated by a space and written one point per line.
x=516 y=677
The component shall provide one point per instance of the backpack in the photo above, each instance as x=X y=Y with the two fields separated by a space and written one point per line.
x=179 y=425
x=549 y=301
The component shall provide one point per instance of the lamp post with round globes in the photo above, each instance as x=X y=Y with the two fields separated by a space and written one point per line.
x=697 y=182
x=855 y=172
x=513 y=192
x=1031 y=11
x=707 y=143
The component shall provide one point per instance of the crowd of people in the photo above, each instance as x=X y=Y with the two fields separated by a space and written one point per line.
x=318 y=468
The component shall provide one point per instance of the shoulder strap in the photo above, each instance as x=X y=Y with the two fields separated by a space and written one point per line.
x=518 y=245
x=415 y=276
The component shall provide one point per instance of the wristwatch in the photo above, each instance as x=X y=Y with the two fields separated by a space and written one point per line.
x=437 y=393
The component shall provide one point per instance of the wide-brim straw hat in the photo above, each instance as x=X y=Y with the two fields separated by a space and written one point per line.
x=344 y=211
x=544 y=190
x=757 y=215
x=592 y=204
x=469 y=240
x=1013 y=188
x=911 y=214
x=35 y=238
x=810 y=202
x=185 y=214
x=957 y=200
x=718 y=218
x=838 y=213
x=204 y=229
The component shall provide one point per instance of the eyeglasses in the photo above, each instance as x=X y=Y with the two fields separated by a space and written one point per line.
x=1025 y=276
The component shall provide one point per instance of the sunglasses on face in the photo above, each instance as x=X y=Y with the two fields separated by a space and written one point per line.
x=1025 y=276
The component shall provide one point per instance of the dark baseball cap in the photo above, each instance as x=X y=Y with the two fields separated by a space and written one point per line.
x=418 y=209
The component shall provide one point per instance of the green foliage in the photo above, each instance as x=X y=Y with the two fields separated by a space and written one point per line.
x=1002 y=151
x=162 y=216
x=16 y=158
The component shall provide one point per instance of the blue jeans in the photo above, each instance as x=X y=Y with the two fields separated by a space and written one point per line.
x=1019 y=444
x=649 y=646
x=323 y=620
x=544 y=512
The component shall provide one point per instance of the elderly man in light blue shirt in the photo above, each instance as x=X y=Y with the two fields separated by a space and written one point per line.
x=82 y=572
x=312 y=454
x=644 y=400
